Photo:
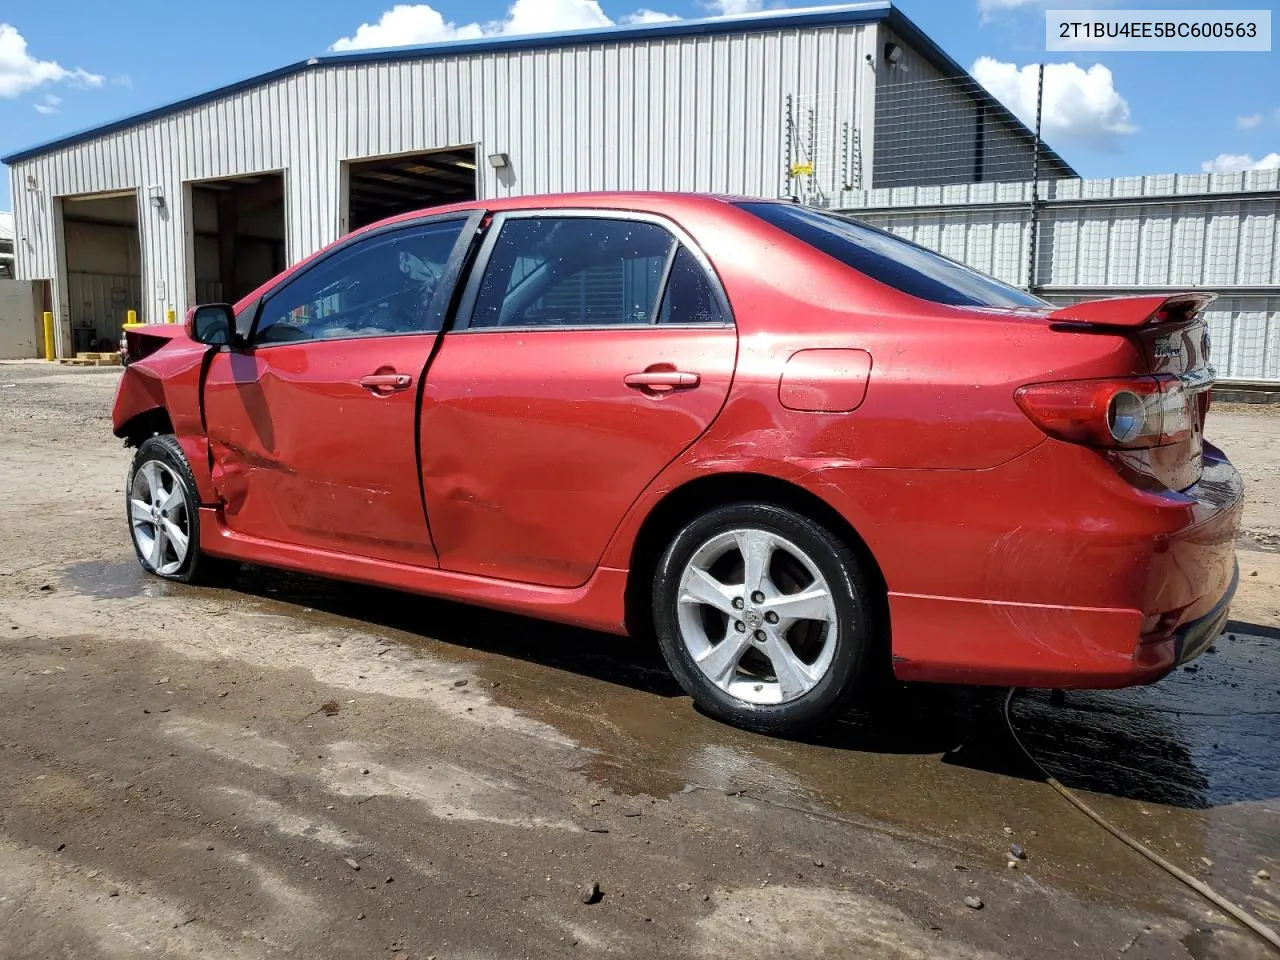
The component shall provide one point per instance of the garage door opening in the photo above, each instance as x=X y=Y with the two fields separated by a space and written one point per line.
x=238 y=241
x=387 y=186
x=104 y=267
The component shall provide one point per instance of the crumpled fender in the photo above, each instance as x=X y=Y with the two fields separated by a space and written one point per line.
x=169 y=380
x=137 y=393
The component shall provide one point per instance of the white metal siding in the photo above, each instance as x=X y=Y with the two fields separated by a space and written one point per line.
x=679 y=113
x=1218 y=232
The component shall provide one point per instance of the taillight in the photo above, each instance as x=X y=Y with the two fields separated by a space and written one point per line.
x=1120 y=413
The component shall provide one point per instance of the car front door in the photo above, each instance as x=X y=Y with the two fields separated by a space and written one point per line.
x=590 y=351
x=312 y=423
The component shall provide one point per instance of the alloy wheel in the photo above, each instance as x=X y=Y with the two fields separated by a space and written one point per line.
x=158 y=517
x=757 y=616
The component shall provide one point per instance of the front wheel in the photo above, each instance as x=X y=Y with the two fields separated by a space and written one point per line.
x=765 y=617
x=164 y=515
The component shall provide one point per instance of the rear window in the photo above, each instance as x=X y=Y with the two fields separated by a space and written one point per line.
x=891 y=260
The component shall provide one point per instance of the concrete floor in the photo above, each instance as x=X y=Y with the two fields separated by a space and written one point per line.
x=171 y=783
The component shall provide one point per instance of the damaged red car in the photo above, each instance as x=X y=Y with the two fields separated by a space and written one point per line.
x=798 y=451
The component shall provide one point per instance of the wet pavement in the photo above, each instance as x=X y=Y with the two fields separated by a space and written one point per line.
x=1191 y=766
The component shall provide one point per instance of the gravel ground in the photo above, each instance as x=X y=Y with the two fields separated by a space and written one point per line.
x=299 y=768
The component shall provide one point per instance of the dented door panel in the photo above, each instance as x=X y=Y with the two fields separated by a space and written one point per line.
x=303 y=453
x=534 y=445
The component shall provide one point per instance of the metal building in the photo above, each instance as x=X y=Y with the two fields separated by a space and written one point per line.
x=203 y=199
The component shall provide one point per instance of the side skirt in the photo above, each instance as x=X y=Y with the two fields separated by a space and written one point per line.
x=598 y=604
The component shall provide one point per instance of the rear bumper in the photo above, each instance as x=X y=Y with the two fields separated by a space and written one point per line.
x=1194 y=638
x=1164 y=567
x=1021 y=645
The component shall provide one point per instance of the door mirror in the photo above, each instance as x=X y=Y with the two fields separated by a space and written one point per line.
x=212 y=323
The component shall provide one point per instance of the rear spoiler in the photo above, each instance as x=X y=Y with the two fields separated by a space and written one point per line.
x=1134 y=311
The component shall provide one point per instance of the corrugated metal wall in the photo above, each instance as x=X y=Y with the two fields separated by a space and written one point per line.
x=679 y=113
x=1098 y=238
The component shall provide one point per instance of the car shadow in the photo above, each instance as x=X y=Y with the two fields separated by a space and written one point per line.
x=611 y=659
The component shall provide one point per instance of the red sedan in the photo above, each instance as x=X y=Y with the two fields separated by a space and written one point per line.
x=798 y=450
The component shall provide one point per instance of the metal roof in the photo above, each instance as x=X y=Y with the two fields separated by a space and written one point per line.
x=6 y=227
x=876 y=11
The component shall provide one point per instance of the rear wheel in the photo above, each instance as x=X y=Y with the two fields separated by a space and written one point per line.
x=164 y=515
x=764 y=616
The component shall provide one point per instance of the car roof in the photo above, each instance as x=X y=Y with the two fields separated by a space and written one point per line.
x=653 y=201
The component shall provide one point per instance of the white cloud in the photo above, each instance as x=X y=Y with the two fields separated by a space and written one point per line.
x=545 y=16
x=1236 y=162
x=733 y=8
x=410 y=24
x=20 y=72
x=405 y=25
x=1080 y=105
x=645 y=15
x=1249 y=122
x=49 y=103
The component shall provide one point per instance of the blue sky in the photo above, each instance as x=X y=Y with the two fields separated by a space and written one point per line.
x=70 y=64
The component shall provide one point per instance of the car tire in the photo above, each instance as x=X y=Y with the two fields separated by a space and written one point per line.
x=695 y=612
x=159 y=497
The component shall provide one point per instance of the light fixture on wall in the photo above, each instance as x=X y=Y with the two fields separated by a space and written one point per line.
x=499 y=160
x=893 y=55
x=156 y=194
x=32 y=185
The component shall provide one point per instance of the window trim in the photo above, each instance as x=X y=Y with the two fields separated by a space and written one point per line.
x=466 y=305
x=440 y=300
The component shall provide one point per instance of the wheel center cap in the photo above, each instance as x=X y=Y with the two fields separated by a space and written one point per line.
x=753 y=619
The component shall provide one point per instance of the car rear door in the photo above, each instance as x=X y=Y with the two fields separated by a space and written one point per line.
x=312 y=425
x=591 y=349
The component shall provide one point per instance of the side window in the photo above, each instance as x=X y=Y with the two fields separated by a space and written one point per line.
x=573 y=272
x=888 y=259
x=689 y=297
x=377 y=287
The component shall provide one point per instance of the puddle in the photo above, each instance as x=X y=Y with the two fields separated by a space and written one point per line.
x=118 y=580
x=1198 y=739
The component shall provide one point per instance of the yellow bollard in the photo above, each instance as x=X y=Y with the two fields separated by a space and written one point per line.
x=48 y=336
x=130 y=320
x=170 y=316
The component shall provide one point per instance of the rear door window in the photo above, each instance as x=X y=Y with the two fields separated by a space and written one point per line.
x=689 y=297
x=573 y=272
x=898 y=263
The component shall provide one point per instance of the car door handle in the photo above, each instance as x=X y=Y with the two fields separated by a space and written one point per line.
x=662 y=380
x=386 y=382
